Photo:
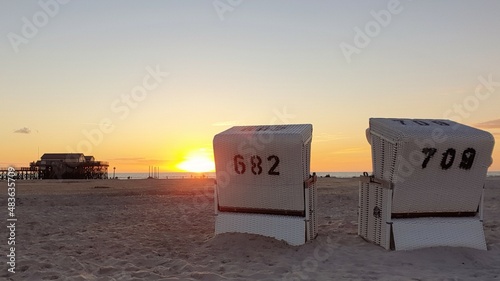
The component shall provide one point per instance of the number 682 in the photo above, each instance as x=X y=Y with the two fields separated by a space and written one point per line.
x=255 y=164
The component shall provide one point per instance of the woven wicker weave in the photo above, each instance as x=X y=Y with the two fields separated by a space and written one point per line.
x=397 y=149
x=431 y=169
x=261 y=172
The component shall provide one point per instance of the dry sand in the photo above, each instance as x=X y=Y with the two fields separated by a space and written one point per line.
x=164 y=230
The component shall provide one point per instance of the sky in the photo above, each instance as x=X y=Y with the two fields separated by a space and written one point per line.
x=149 y=83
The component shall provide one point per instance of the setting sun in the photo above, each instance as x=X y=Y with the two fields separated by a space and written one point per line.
x=198 y=161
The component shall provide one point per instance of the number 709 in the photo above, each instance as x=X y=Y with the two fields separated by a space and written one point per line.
x=448 y=158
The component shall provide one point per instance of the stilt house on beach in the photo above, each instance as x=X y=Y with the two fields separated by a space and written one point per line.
x=70 y=166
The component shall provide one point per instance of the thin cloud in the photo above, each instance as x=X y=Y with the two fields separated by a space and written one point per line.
x=23 y=130
x=493 y=124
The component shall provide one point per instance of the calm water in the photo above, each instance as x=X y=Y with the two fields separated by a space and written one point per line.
x=212 y=175
x=164 y=175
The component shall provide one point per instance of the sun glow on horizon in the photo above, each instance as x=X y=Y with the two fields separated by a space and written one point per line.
x=198 y=161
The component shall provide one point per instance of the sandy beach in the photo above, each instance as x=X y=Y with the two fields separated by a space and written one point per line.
x=164 y=230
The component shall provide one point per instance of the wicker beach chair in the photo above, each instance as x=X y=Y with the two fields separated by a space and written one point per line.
x=263 y=182
x=427 y=184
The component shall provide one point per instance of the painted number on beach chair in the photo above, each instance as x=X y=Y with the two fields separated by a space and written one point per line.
x=448 y=158
x=256 y=164
x=273 y=171
x=240 y=166
x=421 y=122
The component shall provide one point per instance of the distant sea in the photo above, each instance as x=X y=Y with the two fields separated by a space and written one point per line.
x=182 y=175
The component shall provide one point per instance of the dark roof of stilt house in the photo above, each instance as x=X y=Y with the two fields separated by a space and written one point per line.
x=61 y=156
x=89 y=158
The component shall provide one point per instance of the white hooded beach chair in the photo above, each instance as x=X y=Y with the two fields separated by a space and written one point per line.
x=263 y=182
x=427 y=184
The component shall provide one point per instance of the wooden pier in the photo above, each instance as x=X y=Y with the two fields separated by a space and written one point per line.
x=60 y=166
x=23 y=173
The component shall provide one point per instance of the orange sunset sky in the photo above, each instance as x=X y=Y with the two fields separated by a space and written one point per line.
x=149 y=83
